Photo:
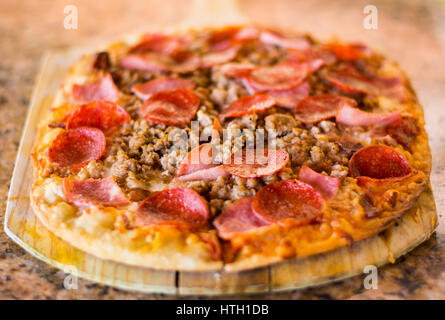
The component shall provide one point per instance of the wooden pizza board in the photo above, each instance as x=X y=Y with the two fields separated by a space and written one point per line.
x=23 y=227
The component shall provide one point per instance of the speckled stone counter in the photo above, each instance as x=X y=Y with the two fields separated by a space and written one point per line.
x=412 y=32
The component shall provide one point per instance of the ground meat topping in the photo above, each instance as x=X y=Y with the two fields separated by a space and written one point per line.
x=144 y=156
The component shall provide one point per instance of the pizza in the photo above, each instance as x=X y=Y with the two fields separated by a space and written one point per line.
x=228 y=148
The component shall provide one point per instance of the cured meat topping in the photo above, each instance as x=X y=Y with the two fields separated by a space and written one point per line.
x=77 y=146
x=170 y=123
x=173 y=206
x=103 y=192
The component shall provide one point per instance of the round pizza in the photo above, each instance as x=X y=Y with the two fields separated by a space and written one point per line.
x=228 y=148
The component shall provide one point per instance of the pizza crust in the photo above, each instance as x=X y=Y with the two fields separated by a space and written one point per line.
x=95 y=232
x=181 y=250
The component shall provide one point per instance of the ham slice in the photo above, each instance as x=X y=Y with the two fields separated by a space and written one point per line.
x=238 y=218
x=159 y=43
x=154 y=62
x=320 y=107
x=94 y=192
x=200 y=165
x=315 y=64
x=103 y=89
x=145 y=62
x=327 y=186
x=311 y=54
x=147 y=89
x=277 y=39
x=292 y=97
x=218 y=57
x=212 y=173
x=199 y=158
x=350 y=116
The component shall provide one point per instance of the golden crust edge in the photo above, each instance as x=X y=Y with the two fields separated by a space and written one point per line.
x=159 y=261
x=393 y=235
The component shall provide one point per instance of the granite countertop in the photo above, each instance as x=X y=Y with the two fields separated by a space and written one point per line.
x=412 y=32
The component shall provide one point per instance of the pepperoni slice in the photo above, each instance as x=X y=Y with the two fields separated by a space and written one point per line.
x=247 y=104
x=253 y=163
x=349 y=116
x=277 y=39
x=282 y=76
x=147 y=89
x=378 y=162
x=199 y=158
x=77 y=146
x=350 y=52
x=238 y=218
x=103 y=115
x=174 y=107
x=219 y=57
x=237 y=70
x=176 y=206
x=320 y=107
x=96 y=192
x=326 y=185
x=288 y=199
x=290 y=98
x=103 y=89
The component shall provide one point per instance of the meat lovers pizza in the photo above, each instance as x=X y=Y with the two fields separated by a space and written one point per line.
x=232 y=147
